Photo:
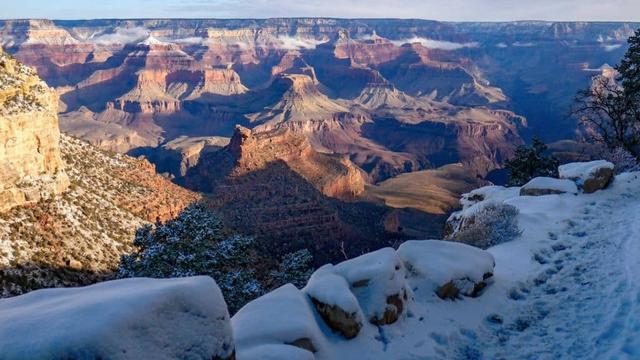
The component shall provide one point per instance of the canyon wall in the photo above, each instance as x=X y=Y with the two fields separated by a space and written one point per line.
x=31 y=168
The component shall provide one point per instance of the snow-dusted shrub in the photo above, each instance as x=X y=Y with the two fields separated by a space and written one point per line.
x=492 y=225
x=195 y=244
x=623 y=160
x=295 y=268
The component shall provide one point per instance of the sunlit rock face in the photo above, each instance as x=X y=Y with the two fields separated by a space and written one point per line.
x=30 y=164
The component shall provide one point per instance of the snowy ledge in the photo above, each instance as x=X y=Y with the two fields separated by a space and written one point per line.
x=183 y=318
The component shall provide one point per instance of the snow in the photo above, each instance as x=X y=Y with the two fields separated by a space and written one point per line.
x=478 y=199
x=275 y=352
x=331 y=289
x=567 y=288
x=279 y=317
x=553 y=184
x=121 y=319
x=434 y=263
x=581 y=171
x=374 y=277
x=151 y=40
x=488 y=193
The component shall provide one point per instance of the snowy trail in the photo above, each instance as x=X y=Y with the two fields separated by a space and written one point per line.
x=585 y=303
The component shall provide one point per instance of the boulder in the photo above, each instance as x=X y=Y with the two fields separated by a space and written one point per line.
x=589 y=176
x=377 y=280
x=333 y=300
x=448 y=269
x=546 y=186
x=122 y=319
x=283 y=319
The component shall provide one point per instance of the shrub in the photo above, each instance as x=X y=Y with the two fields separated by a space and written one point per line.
x=295 y=268
x=195 y=244
x=623 y=160
x=492 y=225
x=530 y=162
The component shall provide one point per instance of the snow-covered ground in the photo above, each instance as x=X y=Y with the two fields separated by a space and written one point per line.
x=567 y=288
x=184 y=318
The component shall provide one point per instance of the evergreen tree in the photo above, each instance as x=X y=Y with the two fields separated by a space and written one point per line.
x=295 y=268
x=195 y=244
x=629 y=68
x=530 y=162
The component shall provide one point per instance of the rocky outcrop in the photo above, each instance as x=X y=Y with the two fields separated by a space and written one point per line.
x=546 y=186
x=77 y=238
x=275 y=186
x=31 y=168
x=589 y=176
x=248 y=151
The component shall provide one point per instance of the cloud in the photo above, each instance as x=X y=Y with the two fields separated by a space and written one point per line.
x=611 y=47
x=523 y=44
x=296 y=43
x=436 y=44
x=122 y=36
x=188 y=40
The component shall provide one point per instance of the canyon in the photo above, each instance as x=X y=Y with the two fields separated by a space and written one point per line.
x=370 y=129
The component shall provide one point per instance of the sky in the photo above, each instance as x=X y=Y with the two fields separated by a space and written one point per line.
x=446 y=10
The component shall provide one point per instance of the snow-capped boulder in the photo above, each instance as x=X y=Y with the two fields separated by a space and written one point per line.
x=281 y=317
x=377 y=280
x=275 y=352
x=446 y=268
x=590 y=176
x=545 y=186
x=333 y=300
x=122 y=319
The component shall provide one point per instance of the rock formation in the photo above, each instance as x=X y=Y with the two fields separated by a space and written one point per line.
x=31 y=168
x=250 y=151
x=275 y=186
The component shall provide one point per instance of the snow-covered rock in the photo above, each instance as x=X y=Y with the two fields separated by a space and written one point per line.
x=536 y=286
x=334 y=301
x=545 y=186
x=487 y=194
x=275 y=352
x=282 y=317
x=446 y=268
x=590 y=176
x=377 y=280
x=122 y=319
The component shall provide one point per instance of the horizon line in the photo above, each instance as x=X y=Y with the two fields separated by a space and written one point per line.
x=323 y=17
